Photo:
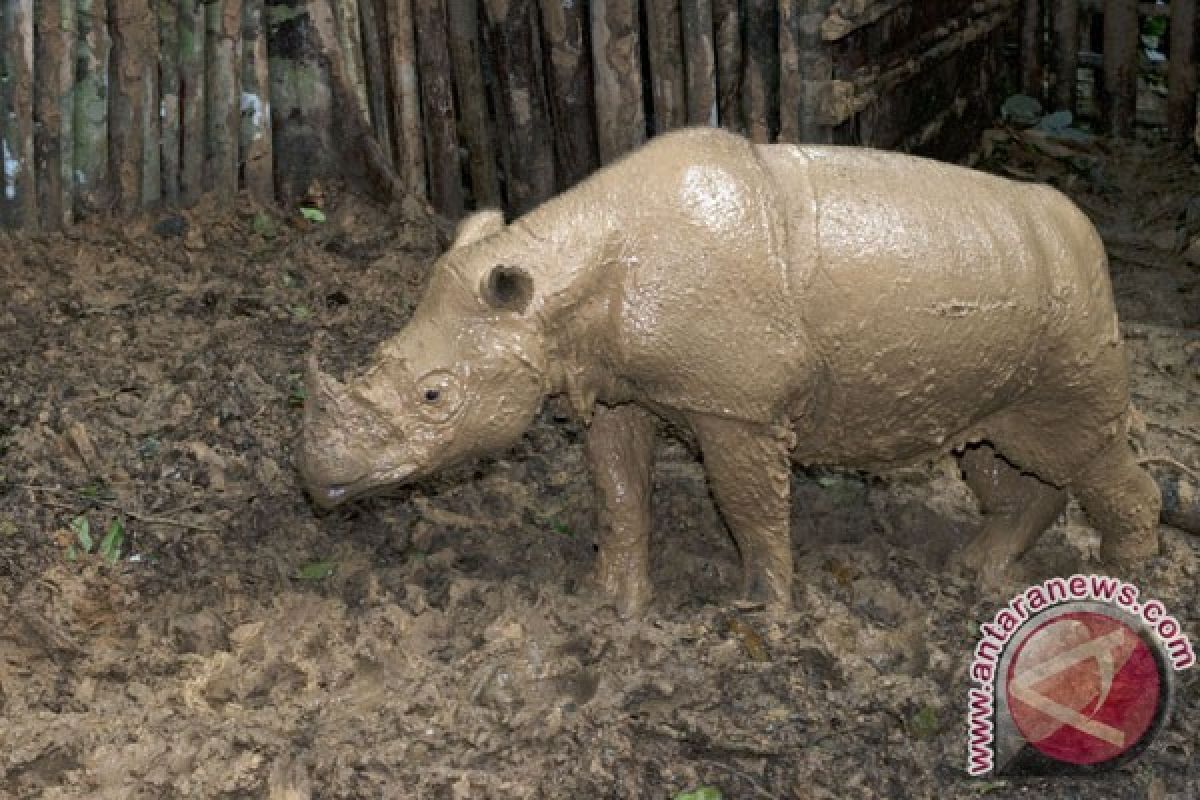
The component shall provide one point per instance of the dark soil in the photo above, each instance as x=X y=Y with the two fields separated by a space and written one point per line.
x=444 y=642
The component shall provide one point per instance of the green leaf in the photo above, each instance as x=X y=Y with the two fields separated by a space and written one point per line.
x=83 y=533
x=317 y=570
x=110 y=545
x=313 y=214
x=300 y=313
x=701 y=793
x=925 y=723
x=264 y=225
x=72 y=553
x=563 y=528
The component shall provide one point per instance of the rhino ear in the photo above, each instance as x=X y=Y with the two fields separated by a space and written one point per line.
x=507 y=289
x=477 y=226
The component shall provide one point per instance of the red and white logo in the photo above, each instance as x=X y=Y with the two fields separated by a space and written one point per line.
x=1083 y=688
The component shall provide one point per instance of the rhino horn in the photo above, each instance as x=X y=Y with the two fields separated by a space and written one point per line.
x=323 y=391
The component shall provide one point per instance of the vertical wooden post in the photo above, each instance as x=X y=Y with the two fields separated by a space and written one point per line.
x=91 y=106
x=514 y=34
x=376 y=74
x=620 y=119
x=1121 y=45
x=726 y=20
x=406 y=106
x=463 y=24
x=168 y=75
x=1066 y=39
x=345 y=20
x=300 y=35
x=1181 y=71
x=564 y=23
x=816 y=70
x=1031 y=43
x=760 y=81
x=54 y=58
x=700 y=63
x=193 y=100
x=437 y=96
x=255 y=146
x=134 y=26
x=18 y=199
x=224 y=95
x=664 y=49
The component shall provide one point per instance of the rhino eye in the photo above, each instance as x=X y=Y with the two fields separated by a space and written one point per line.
x=438 y=396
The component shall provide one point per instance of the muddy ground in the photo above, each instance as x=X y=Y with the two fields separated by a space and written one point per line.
x=444 y=642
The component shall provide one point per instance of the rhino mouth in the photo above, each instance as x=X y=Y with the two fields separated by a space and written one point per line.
x=328 y=496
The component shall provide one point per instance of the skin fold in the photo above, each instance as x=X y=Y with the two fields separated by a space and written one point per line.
x=819 y=304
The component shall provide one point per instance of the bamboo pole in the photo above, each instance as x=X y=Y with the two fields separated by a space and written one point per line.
x=726 y=21
x=437 y=96
x=376 y=74
x=134 y=27
x=54 y=59
x=255 y=145
x=223 y=80
x=1120 y=66
x=1031 y=44
x=760 y=80
x=564 y=24
x=664 y=48
x=168 y=73
x=346 y=16
x=151 y=140
x=700 y=63
x=406 y=107
x=1066 y=42
x=790 y=79
x=193 y=99
x=91 y=107
x=463 y=30
x=816 y=72
x=1181 y=71
x=514 y=35
x=18 y=202
x=620 y=120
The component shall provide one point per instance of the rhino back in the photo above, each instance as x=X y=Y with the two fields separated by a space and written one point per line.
x=934 y=296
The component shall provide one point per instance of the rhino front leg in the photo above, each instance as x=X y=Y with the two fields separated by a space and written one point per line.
x=749 y=470
x=620 y=450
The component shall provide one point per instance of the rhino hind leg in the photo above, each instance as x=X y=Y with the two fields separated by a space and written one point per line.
x=749 y=472
x=1017 y=507
x=1123 y=502
x=620 y=452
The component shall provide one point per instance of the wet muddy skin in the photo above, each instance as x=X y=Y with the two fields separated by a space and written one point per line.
x=444 y=641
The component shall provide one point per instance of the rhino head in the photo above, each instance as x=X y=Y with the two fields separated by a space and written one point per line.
x=465 y=377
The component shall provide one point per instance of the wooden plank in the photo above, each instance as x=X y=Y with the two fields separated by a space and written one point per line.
x=728 y=33
x=437 y=96
x=700 y=63
x=617 y=66
x=1121 y=46
x=664 y=50
x=1181 y=71
x=91 y=107
x=18 y=198
x=1066 y=63
x=564 y=29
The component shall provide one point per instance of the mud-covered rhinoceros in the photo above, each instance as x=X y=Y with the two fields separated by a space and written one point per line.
x=828 y=305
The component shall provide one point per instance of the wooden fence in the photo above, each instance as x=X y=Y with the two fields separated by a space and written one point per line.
x=1106 y=43
x=124 y=105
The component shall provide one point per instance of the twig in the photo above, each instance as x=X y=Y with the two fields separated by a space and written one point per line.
x=1170 y=462
x=137 y=515
x=748 y=778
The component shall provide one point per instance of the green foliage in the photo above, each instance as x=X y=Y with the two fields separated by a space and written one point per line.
x=296 y=393
x=701 y=793
x=110 y=545
x=925 y=723
x=312 y=214
x=83 y=533
x=317 y=570
x=1154 y=26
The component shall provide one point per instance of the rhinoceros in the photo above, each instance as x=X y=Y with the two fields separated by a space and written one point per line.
x=821 y=304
